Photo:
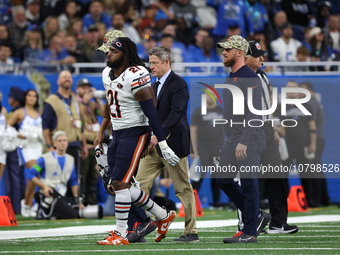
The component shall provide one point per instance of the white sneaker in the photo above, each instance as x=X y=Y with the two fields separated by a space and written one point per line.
x=25 y=209
x=34 y=210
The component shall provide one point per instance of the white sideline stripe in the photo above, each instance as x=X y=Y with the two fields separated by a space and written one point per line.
x=97 y=229
x=180 y=249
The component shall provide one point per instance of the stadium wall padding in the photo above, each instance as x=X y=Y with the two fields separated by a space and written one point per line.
x=327 y=86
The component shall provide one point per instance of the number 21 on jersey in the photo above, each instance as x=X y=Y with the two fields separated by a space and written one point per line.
x=113 y=100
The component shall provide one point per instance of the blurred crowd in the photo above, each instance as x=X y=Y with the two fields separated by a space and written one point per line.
x=68 y=31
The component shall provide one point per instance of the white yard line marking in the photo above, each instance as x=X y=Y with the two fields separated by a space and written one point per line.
x=96 y=229
x=180 y=249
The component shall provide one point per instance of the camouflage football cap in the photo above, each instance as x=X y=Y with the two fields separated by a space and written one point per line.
x=109 y=38
x=234 y=42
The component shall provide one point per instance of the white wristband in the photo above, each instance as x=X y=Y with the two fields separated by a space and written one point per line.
x=163 y=145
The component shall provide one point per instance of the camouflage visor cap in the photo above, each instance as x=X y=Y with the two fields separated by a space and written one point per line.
x=109 y=38
x=234 y=42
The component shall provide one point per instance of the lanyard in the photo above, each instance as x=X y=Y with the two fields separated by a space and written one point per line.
x=54 y=153
x=68 y=109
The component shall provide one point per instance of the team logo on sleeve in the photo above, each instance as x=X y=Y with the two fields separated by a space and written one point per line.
x=119 y=85
x=143 y=81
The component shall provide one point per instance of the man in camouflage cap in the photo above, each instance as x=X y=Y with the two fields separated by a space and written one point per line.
x=231 y=56
x=109 y=38
x=245 y=143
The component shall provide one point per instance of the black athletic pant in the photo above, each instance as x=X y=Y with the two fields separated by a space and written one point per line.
x=275 y=185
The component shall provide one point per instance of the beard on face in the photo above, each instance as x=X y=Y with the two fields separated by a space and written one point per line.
x=230 y=62
x=115 y=64
x=66 y=85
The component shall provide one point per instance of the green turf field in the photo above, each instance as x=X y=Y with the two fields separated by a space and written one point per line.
x=312 y=238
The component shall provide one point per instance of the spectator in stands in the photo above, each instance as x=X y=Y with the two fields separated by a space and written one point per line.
x=335 y=6
x=332 y=33
x=171 y=30
x=72 y=49
x=306 y=36
x=61 y=112
x=273 y=7
x=194 y=48
x=315 y=56
x=102 y=30
x=165 y=13
x=51 y=27
x=33 y=12
x=259 y=15
x=6 y=61
x=88 y=44
x=17 y=27
x=299 y=12
x=13 y=176
x=32 y=45
x=76 y=28
x=231 y=11
x=317 y=42
x=148 y=20
x=300 y=15
x=127 y=8
x=233 y=29
x=5 y=11
x=179 y=56
x=70 y=12
x=184 y=9
x=55 y=53
x=323 y=13
x=118 y=23
x=184 y=34
x=30 y=133
x=284 y=48
x=4 y=34
x=206 y=15
x=148 y=43
x=302 y=55
x=90 y=108
x=274 y=30
x=207 y=53
x=96 y=14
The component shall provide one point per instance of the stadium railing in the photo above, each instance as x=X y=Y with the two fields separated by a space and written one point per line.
x=275 y=68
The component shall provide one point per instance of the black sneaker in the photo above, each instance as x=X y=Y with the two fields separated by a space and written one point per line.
x=284 y=229
x=141 y=229
x=264 y=219
x=190 y=238
x=240 y=237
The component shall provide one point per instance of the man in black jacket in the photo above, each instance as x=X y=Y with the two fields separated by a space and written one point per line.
x=172 y=96
x=275 y=186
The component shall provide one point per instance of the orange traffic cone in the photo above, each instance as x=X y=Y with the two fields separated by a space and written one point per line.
x=7 y=215
x=297 y=201
x=199 y=211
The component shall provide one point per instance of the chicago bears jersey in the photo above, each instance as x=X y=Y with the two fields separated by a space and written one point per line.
x=125 y=110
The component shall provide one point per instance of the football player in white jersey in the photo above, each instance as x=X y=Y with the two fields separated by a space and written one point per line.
x=131 y=107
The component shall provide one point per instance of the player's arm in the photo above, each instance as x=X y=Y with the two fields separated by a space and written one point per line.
x=105 y=123
x=146 y=100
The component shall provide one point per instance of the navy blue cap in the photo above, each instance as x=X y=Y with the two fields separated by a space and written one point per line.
x=16 y=93
x=118 y=45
